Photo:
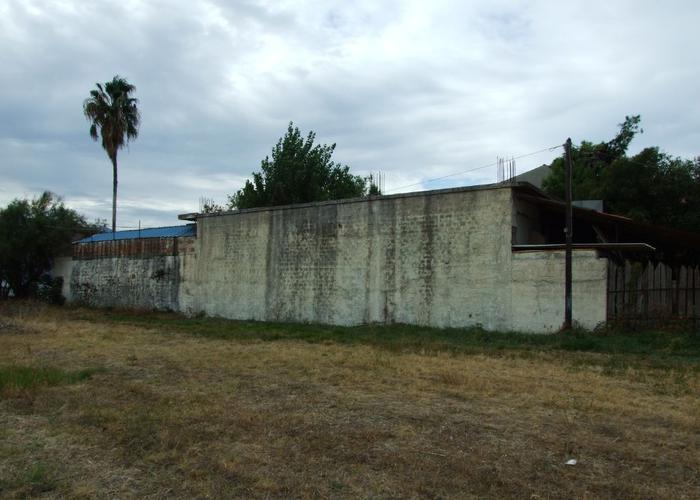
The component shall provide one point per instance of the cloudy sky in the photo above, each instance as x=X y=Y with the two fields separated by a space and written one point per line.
x=414 y=89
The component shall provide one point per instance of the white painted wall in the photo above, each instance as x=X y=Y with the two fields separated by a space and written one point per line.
x=440 y=259
x=538 y=290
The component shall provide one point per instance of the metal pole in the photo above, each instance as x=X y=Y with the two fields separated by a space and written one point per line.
x=569 y=240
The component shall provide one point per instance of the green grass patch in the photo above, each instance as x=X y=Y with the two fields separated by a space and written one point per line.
x=18 y=379
x=36 y=480
x=39 y=479
x=660 y=347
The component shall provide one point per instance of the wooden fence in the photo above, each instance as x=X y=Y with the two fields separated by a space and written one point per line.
x=652 y=294
x=134 y=248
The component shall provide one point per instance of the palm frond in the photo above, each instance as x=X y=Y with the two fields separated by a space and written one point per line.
x=113 y=114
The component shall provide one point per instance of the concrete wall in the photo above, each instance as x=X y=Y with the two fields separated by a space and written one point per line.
x=63 y=268
x=140 y=274
x=538 y=290
x=527 y=221
x=440 y=259
x=140 y=283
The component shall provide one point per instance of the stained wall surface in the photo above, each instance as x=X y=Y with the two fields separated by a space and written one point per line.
x=139 y=274
x=62 y=268
x=538 y=290
x=440 y=259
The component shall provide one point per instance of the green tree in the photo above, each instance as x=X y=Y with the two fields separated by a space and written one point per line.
x=590 y=161
x=651 y=186
x=300 y=172
x=32 y=234
x=114 y=116
x=209 y=206
x=655 y=188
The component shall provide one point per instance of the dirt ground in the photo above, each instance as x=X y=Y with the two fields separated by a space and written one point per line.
x=167 y=414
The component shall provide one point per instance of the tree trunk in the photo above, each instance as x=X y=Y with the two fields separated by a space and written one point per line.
x=114 y=193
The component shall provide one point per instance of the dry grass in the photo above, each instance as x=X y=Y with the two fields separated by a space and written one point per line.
x=173 y=415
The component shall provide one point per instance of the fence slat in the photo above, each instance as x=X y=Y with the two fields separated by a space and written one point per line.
x=652 y=293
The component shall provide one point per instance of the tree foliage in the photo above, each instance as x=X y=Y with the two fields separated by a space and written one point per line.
x=32 y=234
x=114 y=116
x=300 y=171
x=209 y=206
x=651 y=186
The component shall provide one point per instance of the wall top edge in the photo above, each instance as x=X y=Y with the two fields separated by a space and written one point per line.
x=413 y=194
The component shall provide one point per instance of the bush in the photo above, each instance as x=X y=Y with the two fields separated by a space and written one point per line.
x=50 y=290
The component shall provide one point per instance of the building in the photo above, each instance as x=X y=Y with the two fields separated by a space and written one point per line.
x=488 y=255
x=536 y=176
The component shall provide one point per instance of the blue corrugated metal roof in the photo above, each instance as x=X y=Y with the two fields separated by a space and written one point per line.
x=153 y=232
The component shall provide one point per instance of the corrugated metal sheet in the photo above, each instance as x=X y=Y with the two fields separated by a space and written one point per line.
x=153 y=232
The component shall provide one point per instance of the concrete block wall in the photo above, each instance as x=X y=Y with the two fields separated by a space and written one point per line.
x=139 y=274
x=538 y=290
x=440 y=259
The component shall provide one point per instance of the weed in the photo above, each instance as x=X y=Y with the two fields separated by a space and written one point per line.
x=39 y=479
x=655 y=349
x=22 y=379
x=36 y=480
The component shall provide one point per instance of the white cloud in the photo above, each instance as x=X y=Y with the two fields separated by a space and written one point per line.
x=415 y=89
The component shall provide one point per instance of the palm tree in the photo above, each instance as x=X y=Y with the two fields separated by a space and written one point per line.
x=114 y=115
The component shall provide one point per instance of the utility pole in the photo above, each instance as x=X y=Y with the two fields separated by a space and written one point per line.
x=569 y=240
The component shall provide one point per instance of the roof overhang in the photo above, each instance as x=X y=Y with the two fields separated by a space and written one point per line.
x=673 y=244
x=629 y=247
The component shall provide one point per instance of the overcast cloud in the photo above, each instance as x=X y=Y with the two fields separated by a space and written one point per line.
x=416 y=90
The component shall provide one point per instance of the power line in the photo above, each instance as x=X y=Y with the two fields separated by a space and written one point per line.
x=474 y=169
x=552 y=148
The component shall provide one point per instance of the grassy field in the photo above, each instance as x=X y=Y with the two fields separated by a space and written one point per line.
x=113 y=404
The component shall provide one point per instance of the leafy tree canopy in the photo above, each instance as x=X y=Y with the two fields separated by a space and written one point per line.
x=651 y=186
x=300 y=171
x=32 y=234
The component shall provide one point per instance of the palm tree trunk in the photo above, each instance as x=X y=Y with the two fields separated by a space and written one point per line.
x=114 y=193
